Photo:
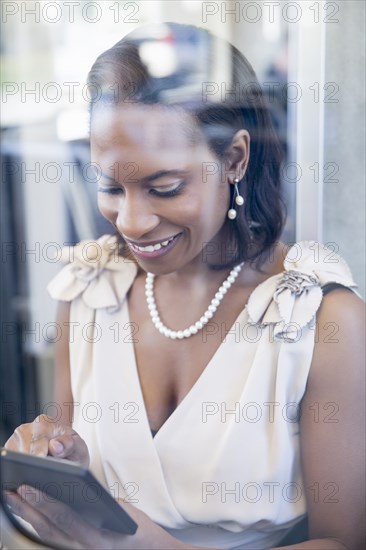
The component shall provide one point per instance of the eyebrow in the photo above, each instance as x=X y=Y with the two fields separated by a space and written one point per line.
x=151 y=177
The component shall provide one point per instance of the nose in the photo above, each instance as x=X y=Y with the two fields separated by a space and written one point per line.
x=135 y=218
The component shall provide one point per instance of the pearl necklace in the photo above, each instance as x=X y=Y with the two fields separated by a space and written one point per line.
x=193 y=329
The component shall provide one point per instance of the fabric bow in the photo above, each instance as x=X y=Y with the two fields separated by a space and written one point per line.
x=289 y=300
x=96 y=271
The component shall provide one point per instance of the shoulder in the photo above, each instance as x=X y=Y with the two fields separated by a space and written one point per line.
x=291 y=298
x=332 y=420
x=340 y=340
x=95 y=272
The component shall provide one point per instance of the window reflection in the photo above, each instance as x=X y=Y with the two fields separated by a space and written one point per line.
x=49 y=197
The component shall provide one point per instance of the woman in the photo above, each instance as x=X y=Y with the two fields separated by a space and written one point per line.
x=214 y=389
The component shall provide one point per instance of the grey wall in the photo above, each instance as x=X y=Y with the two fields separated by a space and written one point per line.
x=344 y=201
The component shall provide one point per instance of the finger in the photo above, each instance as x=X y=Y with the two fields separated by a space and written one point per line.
x=20 y=440
x=44 y=429
x=65 y=519
x=32 y=437
x=46 y=436
x=43 y=527
x=70 y=446
x=39 y=445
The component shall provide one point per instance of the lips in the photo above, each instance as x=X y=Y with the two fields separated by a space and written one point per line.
x=156 y=249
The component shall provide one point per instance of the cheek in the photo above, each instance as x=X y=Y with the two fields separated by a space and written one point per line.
x=205 y=207
x=218 y=207
x=216 y=201
x=107 y=207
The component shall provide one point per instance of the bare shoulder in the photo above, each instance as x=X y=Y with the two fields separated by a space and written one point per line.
x=342 y=301
x=63 y=310
x=337 y=372
x=332 y=425
x=251 y=276
x=340 y=335
x=62 y=383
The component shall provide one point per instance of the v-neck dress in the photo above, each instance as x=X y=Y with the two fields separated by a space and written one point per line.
x=224 y=469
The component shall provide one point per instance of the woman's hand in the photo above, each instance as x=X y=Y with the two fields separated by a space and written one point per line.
x=57 y=523
x=45 y=436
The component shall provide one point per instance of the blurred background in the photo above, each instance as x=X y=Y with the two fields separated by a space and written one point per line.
x=309 y=58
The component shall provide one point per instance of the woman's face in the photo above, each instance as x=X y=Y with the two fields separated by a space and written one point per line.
x=160 y=185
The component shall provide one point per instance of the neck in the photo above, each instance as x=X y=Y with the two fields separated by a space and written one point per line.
x=202 y=321
x=198 y=271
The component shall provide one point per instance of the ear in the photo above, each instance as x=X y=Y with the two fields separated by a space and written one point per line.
x=238 y=155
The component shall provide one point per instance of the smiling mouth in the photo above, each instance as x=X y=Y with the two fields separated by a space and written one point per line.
x=153 y=250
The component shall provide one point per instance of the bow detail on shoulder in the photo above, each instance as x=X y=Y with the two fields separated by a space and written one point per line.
x=96 y=271
x=289 y=300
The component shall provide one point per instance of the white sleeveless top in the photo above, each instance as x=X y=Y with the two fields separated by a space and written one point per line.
x=224 y=469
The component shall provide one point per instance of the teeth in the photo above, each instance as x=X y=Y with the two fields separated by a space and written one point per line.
x=152 y=248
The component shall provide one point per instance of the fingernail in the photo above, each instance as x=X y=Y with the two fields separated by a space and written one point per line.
x=58 y=447
x=26 y=491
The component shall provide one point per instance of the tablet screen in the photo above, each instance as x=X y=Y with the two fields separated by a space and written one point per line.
x=69 y=483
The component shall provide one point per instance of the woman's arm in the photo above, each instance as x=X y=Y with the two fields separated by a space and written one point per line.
x=54 y=435
x=62 y=385
x=332 y=443
x=333 y=427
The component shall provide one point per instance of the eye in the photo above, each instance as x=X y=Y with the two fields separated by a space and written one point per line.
x=153 y=191
x=110 y=190
x=171 y=192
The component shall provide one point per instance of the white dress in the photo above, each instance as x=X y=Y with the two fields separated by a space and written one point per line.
x=224 y=469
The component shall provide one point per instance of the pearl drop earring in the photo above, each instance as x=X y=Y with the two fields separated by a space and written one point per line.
x=239 y=200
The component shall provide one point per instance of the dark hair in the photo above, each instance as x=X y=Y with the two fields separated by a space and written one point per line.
x=121 y=75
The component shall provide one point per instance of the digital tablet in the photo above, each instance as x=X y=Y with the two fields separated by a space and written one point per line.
x=68 y=482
